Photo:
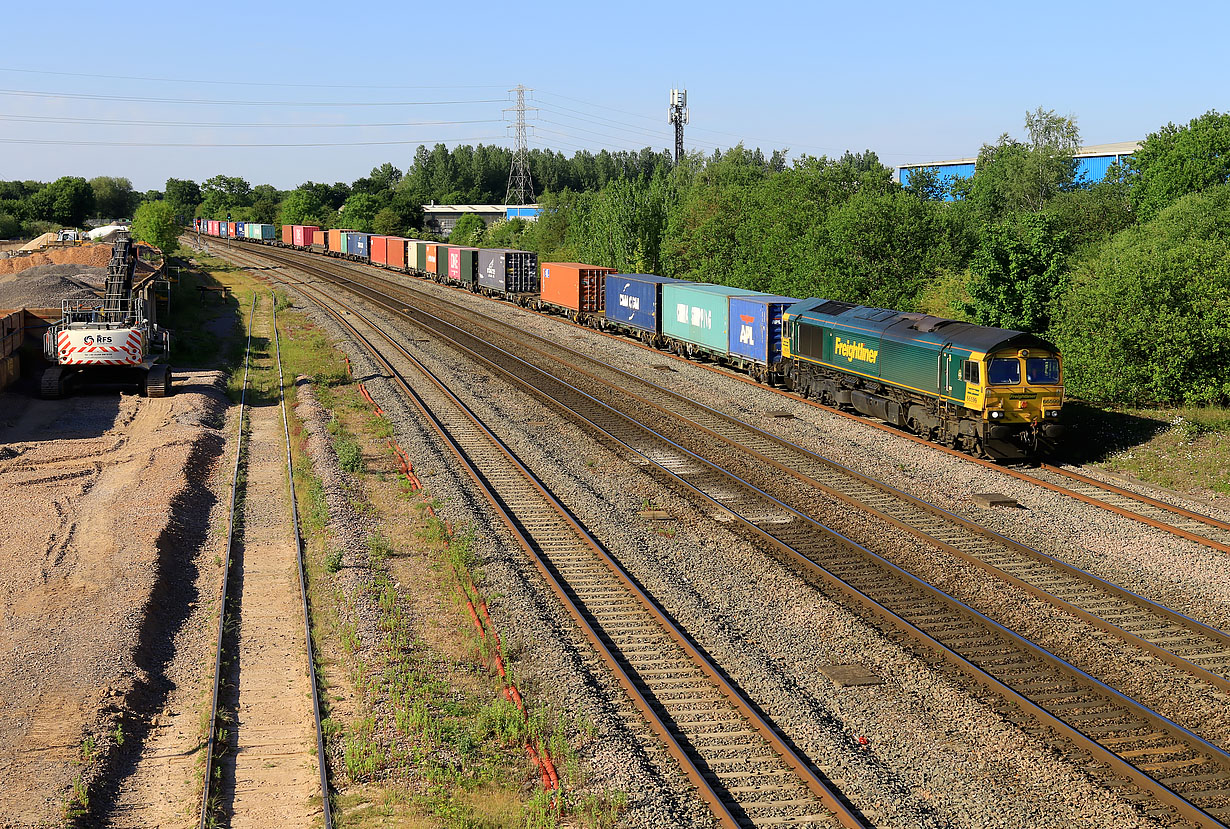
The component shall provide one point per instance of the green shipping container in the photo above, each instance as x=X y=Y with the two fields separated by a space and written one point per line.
x=418 y=256
x=699 y=314
x=442 y=260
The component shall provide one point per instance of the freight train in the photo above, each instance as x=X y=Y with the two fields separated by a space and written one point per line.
x=986 y=391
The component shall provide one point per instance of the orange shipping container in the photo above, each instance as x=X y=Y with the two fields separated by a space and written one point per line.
x=335 y=238
x=575 y=286
x=431 y=258
x=396 y=252
x=320 y=237
x=288 y=234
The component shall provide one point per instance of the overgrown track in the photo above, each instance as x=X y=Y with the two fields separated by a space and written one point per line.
x=1139 y=745
x=745 y=770
x=210 y=792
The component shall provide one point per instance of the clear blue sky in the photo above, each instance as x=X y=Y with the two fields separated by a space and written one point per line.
x=912 y=81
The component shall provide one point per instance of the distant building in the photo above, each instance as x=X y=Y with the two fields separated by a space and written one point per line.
x=442 y=218
x=1092 y=162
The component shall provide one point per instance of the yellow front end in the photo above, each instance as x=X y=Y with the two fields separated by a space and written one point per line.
x=1022 y=386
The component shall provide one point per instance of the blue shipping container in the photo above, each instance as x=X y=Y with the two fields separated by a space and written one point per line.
x=239 y=226
x=356 y=244
x=635 y=300
x=756 y=326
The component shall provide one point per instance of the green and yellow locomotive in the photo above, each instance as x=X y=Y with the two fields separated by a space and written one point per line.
x=983 y=390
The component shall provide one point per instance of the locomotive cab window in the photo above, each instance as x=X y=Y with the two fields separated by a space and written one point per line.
x=1004 y=371
x=1042 y=370
x=969 y=372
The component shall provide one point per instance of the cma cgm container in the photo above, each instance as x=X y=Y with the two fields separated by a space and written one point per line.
x=574 y=286
x=301 y=235
x=355 y=243
x=698 y=315
x=463 y=266
x=379 y=252
x=756 y=329
x=506 y=271
x=397 y=252
x=634 y=301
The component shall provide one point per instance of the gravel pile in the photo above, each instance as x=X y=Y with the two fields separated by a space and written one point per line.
x=45 y=286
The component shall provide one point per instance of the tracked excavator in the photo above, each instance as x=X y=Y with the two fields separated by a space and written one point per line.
x=113 y=340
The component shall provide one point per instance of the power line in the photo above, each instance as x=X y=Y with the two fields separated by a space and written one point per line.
x=424 y=141
x=55 y=119
x=519 y=182
x=237 y=83
x=215 y=102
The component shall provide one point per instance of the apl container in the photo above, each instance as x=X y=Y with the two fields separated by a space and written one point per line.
x=380 y=250
x=463 y=265
x=508 y=271
x=635 y=300
x=756 y=327
x=698 y=314
x=302 y=235
x=574 y=286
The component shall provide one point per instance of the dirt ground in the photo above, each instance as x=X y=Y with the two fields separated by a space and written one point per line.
x=97 y=255
x=101 y=517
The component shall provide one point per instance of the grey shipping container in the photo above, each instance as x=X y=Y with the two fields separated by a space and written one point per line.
x=508 y=271
x=635 y=300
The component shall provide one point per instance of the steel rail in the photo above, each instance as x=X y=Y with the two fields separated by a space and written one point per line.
x=321 y=759
x=1121 y=765
x=1009 y=471
x=799 y=765
x=1199 y=636
x=207 y=783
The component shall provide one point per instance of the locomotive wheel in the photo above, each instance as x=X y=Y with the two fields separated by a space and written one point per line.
x=51 y=384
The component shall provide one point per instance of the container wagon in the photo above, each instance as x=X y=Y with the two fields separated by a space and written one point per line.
x=508 y=274
x=463 y=267
x=574 y=289
x=396 y=252
x=379 y=253
x=634 y=306
x=440 y=274
x=301 y=236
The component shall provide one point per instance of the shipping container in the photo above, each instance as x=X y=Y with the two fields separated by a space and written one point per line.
x=442 y=261
x=756 y=327
x=396 y=252
x=574 y=286
x=211 y=227
x=379 y=253
x=699 y=314
x=232 y=229
x=463 y=265
x=418 y=256
x=508 y=271
x=301 y=235
x=239 y=230
x=634 y=300
x=355 y=243
x=321 y=238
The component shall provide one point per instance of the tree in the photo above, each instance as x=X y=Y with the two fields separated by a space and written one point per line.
x=156 y=223
x=113 y=197
x=359 y=211
x=1012 y=176
x=183 y=196
x=1018 y=272
x=467 y=231
x=1147 y=321
x=1175 y=161
x=386 y=222
x=304 y=207
x=66 y=201
x=222 y=194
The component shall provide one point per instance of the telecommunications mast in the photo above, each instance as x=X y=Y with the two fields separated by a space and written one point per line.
x=520 y=185
x=678 y=115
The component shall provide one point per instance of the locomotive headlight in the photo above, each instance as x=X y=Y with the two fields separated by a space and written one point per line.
x=1052 y=412
x=996 y=414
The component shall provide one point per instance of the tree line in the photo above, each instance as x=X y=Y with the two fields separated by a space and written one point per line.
x=1129 y=275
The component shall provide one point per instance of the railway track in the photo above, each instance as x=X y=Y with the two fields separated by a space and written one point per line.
x=254 y=766
x=744 y=768
x=1188 y=774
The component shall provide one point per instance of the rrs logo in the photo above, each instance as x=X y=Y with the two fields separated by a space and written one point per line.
x=854 y=351
x=696 y=317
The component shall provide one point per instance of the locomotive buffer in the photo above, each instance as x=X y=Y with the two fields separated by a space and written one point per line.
x=112 y=340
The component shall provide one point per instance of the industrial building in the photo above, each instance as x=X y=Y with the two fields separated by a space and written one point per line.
x=442 y=218
x=1092 y=162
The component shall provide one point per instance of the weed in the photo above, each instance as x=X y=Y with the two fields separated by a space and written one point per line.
x=118 y=734
x=349 y=455
x=77 y=804
x=87 y=748
x=333 y=561
x=379 y=548
x=363 y=755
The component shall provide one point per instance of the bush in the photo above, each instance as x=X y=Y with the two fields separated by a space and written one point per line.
x=1146 y=321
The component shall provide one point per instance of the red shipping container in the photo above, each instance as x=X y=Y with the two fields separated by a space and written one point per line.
x=575 y=286
x=288 y=234
x=396 y=252
x=230 y=229
x=378 y=248
x=213 y=228
x=301 y=235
